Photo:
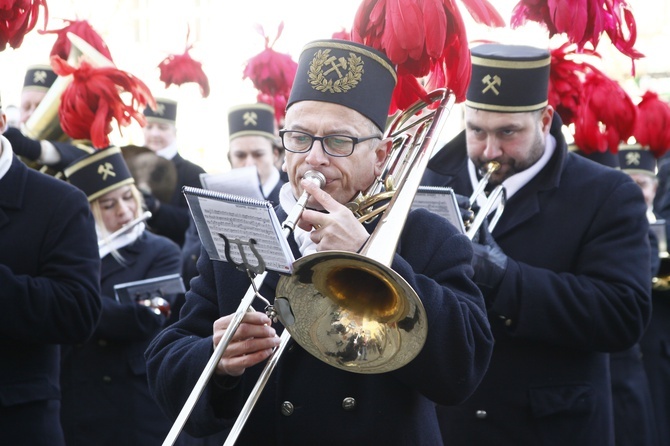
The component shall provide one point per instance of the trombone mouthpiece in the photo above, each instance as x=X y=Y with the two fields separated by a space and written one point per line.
x=315 y=177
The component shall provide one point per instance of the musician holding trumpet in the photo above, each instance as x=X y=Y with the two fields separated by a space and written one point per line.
x=565 y=272
x=339 y=133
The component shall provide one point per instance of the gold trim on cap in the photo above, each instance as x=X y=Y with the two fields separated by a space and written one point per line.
x=511 y=64
x=259 y=106
x=102 y=154
x=356 y=49
x=506 y=108
x=114 y=186
x=268 y=135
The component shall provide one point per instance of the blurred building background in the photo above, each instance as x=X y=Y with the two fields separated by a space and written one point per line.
x=224 y=35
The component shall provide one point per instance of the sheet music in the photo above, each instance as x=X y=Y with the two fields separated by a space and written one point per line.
x=440 y=201
x=240 y=181
x=239 y=219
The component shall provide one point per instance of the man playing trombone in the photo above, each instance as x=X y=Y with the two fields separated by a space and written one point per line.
x=339 y=133
x=565 y=273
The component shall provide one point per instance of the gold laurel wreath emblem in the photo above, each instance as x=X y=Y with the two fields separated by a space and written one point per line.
x=321 y=83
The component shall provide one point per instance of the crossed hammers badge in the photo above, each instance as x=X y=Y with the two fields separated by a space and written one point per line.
x=106 y=170
x=250 y=118
x=491 y=83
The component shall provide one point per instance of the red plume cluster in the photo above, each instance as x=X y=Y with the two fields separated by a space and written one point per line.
x=423 y=38
x=93 y=99
x=18 y=18
x=606 y=115
x=583 y=21
x=272 y=74
x=652 y=127
x=179 y=69
x=566 y=78
x=79 y=28
x=603 y=114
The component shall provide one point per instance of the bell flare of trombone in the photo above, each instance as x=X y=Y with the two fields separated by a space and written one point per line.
x=352 y=312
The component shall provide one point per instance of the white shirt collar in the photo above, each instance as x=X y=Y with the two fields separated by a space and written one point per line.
x=169 y=152
x=270 y=184
x=514 y=183
x=6 y=156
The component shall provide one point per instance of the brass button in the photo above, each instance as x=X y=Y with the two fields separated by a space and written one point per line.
x=107 y=379
x=349 y=403
x=481 y=414
x=287 y=408
x=508 y=322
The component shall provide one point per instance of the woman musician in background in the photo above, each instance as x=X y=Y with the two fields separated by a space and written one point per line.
x=105 y=394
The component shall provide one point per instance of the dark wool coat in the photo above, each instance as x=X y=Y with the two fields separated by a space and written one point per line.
x=49 y=292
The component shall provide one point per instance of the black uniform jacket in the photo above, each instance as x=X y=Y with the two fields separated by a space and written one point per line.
x=49 y=288
x=329 y=405
x=577 y=286
x=106 y=399
x=172 y=219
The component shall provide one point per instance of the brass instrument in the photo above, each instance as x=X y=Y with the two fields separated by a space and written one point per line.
x=496 y=197
x=44 y=122
x=353 y=311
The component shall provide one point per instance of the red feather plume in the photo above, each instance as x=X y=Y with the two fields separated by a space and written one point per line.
x=81 y=28
x=566 y=79
x=423 y=38
x=606 y=115
x=18 y=18
x=93 y=99
x=179 y=69
x=583 y=22
x=652 y=127
x=272 y=74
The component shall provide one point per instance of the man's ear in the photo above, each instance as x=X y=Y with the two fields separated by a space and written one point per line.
x=547 y=117
x=3 y=122
x=381 y=152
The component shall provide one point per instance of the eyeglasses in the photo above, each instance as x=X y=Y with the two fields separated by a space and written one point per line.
x=334 y=145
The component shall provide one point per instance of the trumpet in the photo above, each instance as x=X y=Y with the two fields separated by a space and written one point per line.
x=498 y=196
x=245 y=305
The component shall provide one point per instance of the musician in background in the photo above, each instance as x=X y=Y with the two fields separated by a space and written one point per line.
x=106 y=400
x=170 y=219
x=50 y=276
x=340 y=134
x=53 y=154
x=564 y=284
x=641 y=164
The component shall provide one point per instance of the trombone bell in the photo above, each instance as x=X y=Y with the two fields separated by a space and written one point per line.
x=355 y=313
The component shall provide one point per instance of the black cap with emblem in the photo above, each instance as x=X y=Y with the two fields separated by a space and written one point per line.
x=39 y=77
x=345 y=73
x=634 y=158
x=251 y=120
x=165 y=112
x=100 y=172
x=508 y=78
